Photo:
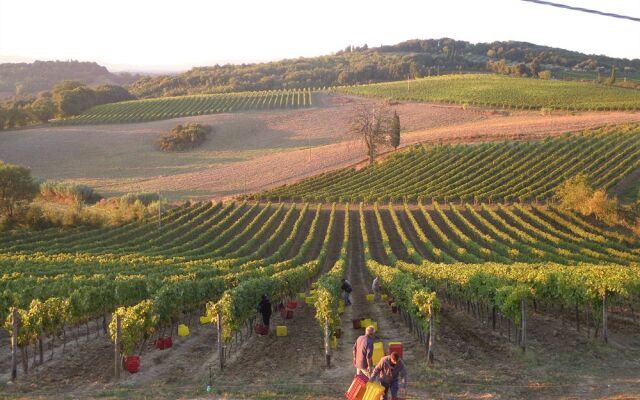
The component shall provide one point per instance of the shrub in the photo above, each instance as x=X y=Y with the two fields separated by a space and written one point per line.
x=546 y=74
x=68 y=193
x=186 y=137
x=35 y=218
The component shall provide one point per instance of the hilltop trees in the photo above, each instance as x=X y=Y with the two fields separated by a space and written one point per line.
x=72 y=98
x=67 y=99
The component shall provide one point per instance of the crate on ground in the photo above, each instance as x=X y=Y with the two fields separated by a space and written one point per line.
x=183 y=330
x=261 y=329
x=281 y=330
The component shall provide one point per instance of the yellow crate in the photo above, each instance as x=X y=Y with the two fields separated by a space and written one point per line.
x=365 y=322
x=385 y=298
x=205 y=319
x=310 y=300
x=334 y=342
x=340 y=309
x=302 y=296
x=341 y=303
x=378 y=352
x=183 y=330
x=375 y=325
x=373 y=391
x=370 y=297
x=281 y=330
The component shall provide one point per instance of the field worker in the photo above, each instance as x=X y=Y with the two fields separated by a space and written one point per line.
x=264 y=308
x=375 y=287
x=389 y=371
x=346 y=291
x=363 y=353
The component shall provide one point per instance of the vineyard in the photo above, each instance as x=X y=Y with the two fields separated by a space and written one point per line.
x=511 y=268
x=503 y=91
x=216 y=259
x=183 y=106
x=487 y=172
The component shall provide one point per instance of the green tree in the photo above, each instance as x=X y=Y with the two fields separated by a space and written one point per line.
x=43 y=108
x=74 y=102
x=394 y=136
x=16 y=187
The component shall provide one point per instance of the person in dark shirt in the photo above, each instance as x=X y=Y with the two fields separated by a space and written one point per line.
x=363 y=353
x=264 y=308
x=389 y=371
x=346 y=291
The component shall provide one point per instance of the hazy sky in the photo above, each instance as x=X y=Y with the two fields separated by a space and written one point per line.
x=180 y=34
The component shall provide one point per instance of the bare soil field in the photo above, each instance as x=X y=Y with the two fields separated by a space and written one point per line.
x=252 y=151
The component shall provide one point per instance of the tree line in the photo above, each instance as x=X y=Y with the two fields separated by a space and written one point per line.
x=359 y=65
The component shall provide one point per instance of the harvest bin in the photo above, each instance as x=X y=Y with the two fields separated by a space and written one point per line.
x=164 y=342
x=397 y=347
x=132 y=364
x=261 y=329
x=374 y=391
x=357 y=388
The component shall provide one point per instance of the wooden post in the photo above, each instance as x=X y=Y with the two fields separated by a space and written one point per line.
x=14 y=343
x=431 y=335
x=523 y=324
x=327 y=343
x=605 y=336
x=493 y=317
x=220 y=347
x=40 y=346
x=118 y=359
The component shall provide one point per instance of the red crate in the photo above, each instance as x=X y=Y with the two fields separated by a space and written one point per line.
x=357 y=388
x=132 y=364
x=356 y=323
x=398 y=348
x=164 y=343
x=261 y=329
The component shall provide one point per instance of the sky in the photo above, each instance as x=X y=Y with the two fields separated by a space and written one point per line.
x=177 y=35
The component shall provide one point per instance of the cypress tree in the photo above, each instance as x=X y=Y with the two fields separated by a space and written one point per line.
x=394 y=138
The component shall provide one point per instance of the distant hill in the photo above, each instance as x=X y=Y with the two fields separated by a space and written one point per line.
x=357 y=65
x=31 y=78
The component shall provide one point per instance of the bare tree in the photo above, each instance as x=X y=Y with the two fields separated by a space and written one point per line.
x=372 y=124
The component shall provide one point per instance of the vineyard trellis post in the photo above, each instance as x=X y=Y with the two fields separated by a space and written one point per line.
x=605 y=336
x=523 y=324
x=431 y=335
x=117 y=358
x=220 y=346
x=14 y=343
x=327 y=343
